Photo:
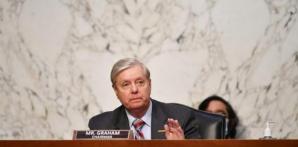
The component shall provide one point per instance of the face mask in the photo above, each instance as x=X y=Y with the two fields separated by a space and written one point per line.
x=226 y=127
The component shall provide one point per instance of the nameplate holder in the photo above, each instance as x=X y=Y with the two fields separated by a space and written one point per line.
x=102 y=134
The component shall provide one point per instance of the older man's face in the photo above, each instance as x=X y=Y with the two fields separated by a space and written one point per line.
x=133 y=88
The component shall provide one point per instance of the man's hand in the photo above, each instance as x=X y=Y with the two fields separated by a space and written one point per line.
x=173 y=130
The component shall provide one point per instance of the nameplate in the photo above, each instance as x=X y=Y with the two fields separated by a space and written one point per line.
x=102 y=134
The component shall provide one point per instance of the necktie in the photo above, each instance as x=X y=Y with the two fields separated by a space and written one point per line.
x=138 y=125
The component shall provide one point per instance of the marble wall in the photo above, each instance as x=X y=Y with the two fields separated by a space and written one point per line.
x=56 y=55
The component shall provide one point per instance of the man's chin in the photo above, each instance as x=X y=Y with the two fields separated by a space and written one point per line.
x=138 y=106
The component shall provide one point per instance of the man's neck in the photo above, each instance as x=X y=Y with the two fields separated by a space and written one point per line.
x=138 y=113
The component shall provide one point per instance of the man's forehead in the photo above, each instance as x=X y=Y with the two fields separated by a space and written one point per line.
x=135 y=72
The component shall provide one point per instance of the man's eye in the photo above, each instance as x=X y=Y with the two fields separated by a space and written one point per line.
x=140 y=82
x=124 y=84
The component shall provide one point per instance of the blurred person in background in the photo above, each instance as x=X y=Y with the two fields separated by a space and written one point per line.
x=218 y=105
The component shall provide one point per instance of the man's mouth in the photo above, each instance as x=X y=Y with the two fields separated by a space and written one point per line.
x=136 y=99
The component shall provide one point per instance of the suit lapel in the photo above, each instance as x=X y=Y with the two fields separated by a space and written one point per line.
x=158 y=121
x=120 y=119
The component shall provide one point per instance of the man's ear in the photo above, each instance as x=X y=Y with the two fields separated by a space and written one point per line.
x=150 y=82
x=116 y=91
x=115 y=88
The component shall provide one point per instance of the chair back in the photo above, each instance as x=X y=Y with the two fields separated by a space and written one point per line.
x=209 y=125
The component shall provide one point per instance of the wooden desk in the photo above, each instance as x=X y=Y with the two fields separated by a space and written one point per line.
x=149 y=143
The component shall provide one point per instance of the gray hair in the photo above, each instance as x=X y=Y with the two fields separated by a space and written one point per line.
x=126 y=63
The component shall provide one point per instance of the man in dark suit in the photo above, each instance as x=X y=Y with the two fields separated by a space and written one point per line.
x=146 y=117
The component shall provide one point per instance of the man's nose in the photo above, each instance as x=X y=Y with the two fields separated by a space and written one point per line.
x=134 y=88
